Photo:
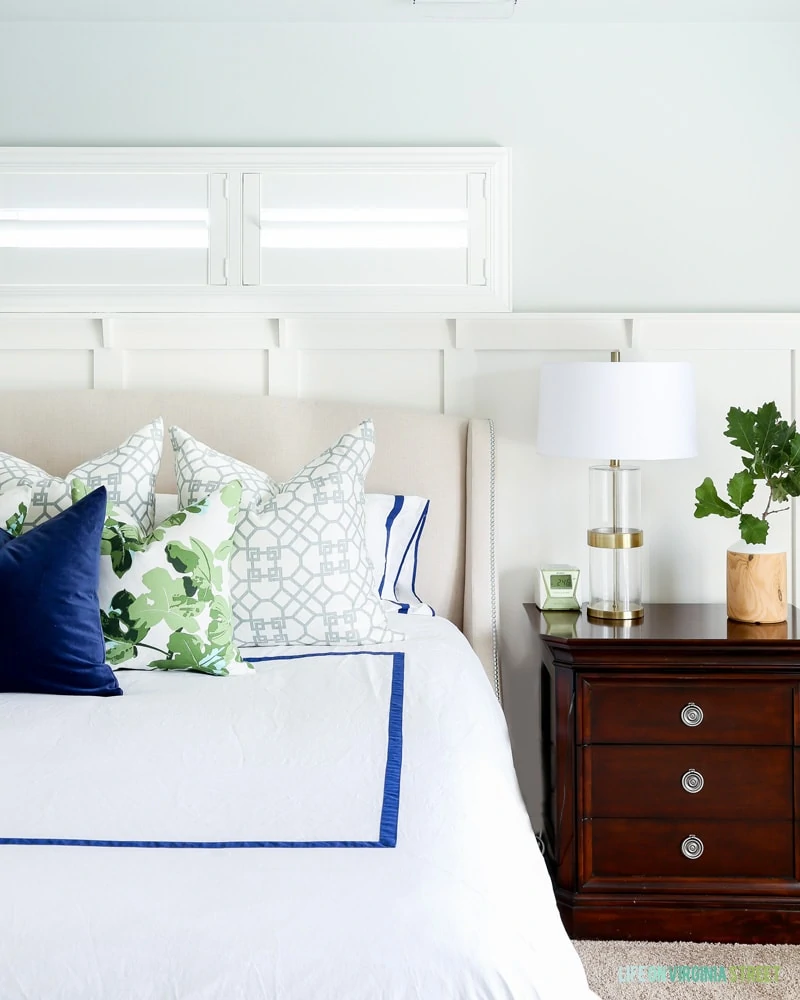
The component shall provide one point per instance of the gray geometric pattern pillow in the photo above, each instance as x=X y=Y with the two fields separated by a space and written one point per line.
x=300 y=567
x=128 y=473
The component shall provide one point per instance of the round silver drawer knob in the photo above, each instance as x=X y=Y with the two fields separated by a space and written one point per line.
x=692 y=715
x=692 y=782
x=692 y=848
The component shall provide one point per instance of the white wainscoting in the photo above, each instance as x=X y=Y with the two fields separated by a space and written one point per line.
x=485 y=365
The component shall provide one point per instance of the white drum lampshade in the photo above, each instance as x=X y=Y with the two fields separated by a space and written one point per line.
x=622 y=412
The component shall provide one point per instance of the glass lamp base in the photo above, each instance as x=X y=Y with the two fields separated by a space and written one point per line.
x=608 y=611
x=615 y=544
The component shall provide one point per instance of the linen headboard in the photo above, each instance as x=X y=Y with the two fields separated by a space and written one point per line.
x=447 y=459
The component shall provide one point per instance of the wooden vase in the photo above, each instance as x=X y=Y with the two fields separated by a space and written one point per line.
x=756 y=584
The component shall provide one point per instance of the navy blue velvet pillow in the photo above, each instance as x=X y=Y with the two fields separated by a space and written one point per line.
x=51 y=641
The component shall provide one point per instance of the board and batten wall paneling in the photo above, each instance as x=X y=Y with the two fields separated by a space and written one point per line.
x=56 y=369
x=208 y=371
x=475 y=365
x=409 y=379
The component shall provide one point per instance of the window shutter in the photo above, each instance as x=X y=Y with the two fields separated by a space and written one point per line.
x=420 y=230
x=110 y=229
x=255 y=230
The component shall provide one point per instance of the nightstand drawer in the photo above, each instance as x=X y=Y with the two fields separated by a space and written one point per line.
x=686 y=711
x=643 y=848
x=686 y=782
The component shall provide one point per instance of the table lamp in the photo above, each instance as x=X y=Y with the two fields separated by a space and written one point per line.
x=634 y=410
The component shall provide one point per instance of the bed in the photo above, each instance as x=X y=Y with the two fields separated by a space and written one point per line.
x=340 y=824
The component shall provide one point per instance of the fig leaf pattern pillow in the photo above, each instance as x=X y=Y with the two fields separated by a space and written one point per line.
x=165 y=597
x=14 y=504
x=301 y=569
x=127 y=472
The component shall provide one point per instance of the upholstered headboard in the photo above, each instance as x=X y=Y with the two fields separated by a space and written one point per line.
x=448 y=459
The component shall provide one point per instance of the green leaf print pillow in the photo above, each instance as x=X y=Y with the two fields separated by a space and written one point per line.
x=165 y=597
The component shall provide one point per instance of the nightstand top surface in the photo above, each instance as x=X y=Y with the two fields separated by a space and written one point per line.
x=664 y=623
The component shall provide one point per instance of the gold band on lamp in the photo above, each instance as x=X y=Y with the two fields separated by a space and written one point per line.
x=605 y=538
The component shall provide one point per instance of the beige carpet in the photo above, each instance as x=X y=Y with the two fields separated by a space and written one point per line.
x=603 y=960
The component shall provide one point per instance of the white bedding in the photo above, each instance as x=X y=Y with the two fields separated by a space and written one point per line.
x=460 y=908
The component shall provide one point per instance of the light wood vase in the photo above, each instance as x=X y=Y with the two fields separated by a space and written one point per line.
x=756 y=584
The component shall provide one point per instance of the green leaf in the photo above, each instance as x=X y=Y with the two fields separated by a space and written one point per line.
x=224 y=551
x=121 y=630
x=79 y=490
x=187 y=652
x=231 y=497
x=206 y=575
x=118 y=652
x=166 y=601
x=119 y=541
x=792 y=451
x=778 y=491
x=773 y=435
x=742 y=429
x=184 y=560
x=15 y=521
x=754 y=529
x=119 y=622
x=792 y=483
x=174 y=520
x=741 y=488
x=710 y=502
x=767 y=424
x=197 y=564
x=220 y=629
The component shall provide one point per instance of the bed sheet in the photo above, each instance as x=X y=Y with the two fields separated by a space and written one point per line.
x=334 y=827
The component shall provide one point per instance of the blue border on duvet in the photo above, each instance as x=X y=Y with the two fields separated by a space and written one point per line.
x=387 y=836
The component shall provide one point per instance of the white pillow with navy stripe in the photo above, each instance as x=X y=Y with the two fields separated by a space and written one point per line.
x=394 y=529
x=394 y=526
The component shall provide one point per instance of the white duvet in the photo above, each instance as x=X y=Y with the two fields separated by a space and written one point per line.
x=461 y=907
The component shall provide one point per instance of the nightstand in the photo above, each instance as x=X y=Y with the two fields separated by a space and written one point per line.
x=671 y=754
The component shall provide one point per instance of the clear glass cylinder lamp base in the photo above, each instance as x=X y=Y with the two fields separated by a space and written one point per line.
x=615 y=544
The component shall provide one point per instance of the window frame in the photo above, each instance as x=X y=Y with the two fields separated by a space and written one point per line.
x=227 y=168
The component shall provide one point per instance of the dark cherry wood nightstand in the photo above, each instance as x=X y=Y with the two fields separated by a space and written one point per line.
x=672 y=774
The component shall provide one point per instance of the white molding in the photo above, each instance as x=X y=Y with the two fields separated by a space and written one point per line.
x=543 y=333
x=107 y=331
x=200 y=329
x=195 y=332
x=237 y=299
x=46 y=333
x=359 y=333
x=179 y=158
x=735 y=331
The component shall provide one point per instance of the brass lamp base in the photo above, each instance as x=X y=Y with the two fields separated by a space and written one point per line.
x=606 y=611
